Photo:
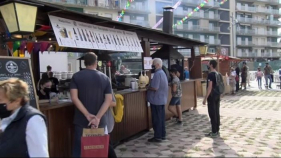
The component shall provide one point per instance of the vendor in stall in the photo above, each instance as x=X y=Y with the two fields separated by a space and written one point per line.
x=44 y=89
x=55 y=82
x=124 y=70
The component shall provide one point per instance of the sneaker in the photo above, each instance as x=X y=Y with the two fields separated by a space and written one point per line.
x=164 y=139
x=154 y=140
x=212 y=135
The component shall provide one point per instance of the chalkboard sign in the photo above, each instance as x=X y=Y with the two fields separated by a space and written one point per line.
x=15 y=67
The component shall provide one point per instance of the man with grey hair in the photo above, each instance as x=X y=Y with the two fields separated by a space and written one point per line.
x=157 y=95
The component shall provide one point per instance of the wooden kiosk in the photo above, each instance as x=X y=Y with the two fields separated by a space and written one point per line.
x=136 y=117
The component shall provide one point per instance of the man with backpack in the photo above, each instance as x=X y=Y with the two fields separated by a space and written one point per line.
x=215 y=87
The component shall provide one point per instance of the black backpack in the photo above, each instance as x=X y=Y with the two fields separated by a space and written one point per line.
x=219 y=88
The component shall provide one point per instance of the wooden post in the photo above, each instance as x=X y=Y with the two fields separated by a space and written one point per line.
x=3 y=49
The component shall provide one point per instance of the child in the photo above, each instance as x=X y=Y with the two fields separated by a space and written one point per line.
x=176 y=96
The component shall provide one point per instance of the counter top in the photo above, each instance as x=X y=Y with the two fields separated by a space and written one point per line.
x=127 y=91
x=55 y=105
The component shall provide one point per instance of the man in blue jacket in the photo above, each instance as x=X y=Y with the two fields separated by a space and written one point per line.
x=157 y=96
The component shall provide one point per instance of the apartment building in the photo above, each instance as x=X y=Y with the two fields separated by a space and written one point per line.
x=257 y=30
x=244 y=28
x=137 y=13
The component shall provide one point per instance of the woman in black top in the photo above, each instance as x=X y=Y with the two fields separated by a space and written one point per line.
x=44 y=89
x=55 y=82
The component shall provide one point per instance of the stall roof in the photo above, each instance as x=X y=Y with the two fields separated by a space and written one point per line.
x=143 y=32
x=212 y=56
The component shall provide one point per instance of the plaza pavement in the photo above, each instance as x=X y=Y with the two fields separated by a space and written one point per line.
x=250 y=127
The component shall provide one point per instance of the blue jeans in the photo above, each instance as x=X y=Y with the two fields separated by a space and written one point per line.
x=158 y=121
x=259 y=82
x=76 y=151
x=266 y=80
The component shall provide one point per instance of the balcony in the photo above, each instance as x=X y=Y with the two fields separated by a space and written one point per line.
x=276 y=2
x=245 y=32
x=197 y=15
x=245 y=55
x=258 y=21
x=140 y=22
x=197 y=28
x=247 y=9
x=257 y=55
x=268 y=11
x=245 y=43
x=210 y=42
x=70 y=2
x=274 y=44
x=197 y=2
x=273 y=33
x=136 y=7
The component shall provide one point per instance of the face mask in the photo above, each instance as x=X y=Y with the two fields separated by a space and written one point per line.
x=208 y=67
x=153 y=67
x=47 y=90
x=4 y=113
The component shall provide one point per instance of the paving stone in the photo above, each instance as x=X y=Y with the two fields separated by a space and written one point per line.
x=250 y=128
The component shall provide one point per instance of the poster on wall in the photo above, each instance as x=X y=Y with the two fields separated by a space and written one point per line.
x=74 y=34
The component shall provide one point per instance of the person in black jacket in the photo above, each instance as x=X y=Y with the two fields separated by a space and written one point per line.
x=24 y=131
x=238 y=75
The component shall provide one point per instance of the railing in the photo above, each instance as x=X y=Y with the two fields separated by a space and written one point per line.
x=211 y=42
x=256 y=21
x=198 y=15
x=135 y=7
x=273 y=44
x=245 y=32
x=196 y=2
x=74 y=2
x=244 y=43
x=273 y=33
x=248 y=9
x=244 y=54
x=198 y=28
x=269 y=11
x=269 y=1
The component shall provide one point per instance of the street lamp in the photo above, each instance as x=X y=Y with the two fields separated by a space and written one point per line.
x=203 y=50
x=19 y=16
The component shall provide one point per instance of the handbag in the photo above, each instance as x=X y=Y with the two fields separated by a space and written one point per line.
x=237 y=78
x=94 y=143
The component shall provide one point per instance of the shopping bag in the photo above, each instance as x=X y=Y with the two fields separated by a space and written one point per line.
x=94 y=143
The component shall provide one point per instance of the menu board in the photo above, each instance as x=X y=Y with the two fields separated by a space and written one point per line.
x=74 y=34
x=147 y=63
x=14 y=67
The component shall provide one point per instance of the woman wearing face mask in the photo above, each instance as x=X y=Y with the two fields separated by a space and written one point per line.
x=45 y=89
x=24 y=132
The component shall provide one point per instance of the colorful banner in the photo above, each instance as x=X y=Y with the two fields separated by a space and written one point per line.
x=74 y=34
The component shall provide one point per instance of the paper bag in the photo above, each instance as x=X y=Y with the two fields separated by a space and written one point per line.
x=94 y=143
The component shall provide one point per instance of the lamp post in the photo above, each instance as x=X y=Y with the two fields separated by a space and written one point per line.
x=234 y=23
x=19 y=16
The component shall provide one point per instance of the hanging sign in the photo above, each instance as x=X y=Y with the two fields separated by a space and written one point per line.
x=74 y=34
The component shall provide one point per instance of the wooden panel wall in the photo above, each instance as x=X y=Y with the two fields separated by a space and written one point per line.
x=135 y=118
x=60 y=130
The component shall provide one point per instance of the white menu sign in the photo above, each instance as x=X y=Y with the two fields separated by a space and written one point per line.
x=74 y=34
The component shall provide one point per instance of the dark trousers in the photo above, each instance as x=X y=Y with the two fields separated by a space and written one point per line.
x=78 y=131
x=237 y=85
x=158 y=121
x=214 y=112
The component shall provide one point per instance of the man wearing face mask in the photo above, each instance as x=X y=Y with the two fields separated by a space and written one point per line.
x=157 y=95
x=24 y=131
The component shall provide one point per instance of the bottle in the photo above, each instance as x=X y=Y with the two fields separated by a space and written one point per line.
x=80 y=34
x=75 y=34
x=84 y=35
